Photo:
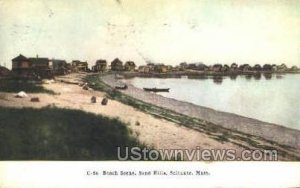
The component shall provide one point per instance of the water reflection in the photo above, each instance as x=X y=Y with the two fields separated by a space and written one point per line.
x=218 y=79
x=268 y=76
x=248 y=77
x=257 y=76
x=233 y=76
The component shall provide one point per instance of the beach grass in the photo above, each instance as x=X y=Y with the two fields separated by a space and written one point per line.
x=53 y=133
x=14 y=86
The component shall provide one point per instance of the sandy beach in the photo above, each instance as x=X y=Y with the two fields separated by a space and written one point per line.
x=154 y=132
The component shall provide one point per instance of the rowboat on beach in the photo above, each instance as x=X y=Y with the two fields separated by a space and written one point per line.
x=157 y=89
x=122 y=87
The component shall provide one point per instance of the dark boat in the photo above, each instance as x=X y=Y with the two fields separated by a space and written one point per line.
x=121 y=87
x=157 y=89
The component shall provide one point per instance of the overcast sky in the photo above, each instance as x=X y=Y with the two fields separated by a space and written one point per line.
x=163 y=31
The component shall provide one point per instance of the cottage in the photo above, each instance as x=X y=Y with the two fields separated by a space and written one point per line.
x=233 y=67
x=59 y=67
x=117 y=65
x=4 y=72
x=294 y=68
x=129 y=66
x=225 y=68
x=160 y=68
x=267 y=67
x=274 y=67
x=202 y=67
x=192 y=66
x=183 y=66
x=245 y=68
x=217 y=67
x=257 y=67
x=80 y=65
x=22 y=67
x=37 y=67
x=143 y=69
x=282 y=67
x=100 y=66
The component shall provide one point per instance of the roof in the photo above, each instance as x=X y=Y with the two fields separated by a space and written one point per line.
x=101 y=61
x=116 y=61
x=20 y=58
x=131 y=63
x=39 y=60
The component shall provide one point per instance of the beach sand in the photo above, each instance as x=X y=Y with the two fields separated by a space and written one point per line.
x=154 y=132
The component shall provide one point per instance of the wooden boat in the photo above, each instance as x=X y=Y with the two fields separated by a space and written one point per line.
x=122 y=87
x=157 y=89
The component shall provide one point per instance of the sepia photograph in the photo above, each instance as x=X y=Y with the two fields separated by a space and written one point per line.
x=149 y=90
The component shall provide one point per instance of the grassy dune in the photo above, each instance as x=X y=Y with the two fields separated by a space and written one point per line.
x=60 y=134
x=15 y=86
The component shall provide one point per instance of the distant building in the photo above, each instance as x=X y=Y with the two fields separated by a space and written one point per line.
x=202 y=67
x=217 y=67
x=160 y=68
x=100 y=66
x=282 y=67
x=117 y=65
x=294 y=68
x=144 y=69
x=183 y=66
x=257 y=67
x=32 y=67
x=4 y=72
x=225 y=68
x=59 y=67
x=245 y=67
x=129 y=66
x=80 y=65
x=234 y=67
x=267 y=67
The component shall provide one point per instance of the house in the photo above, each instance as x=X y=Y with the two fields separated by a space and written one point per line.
x=225 y=68
x=245 y=68
x=233 y=67
x=192 y=66
x=267 y=67
x=100 y=66
x=80 y=65
x=4 y=72
x=183 y=66
x=144 y=69
x=37 y=67
x=43 y=67
x=217 y=67
x=22 y=67
x=59 y=67
x=274 y=67
x=116 y=65
x=129 y=66
x=160 y=68
x=257 y=67
x=294 y=68
x=282 y=67
x=202 y=67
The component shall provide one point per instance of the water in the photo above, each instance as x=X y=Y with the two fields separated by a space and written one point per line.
x=274 y=100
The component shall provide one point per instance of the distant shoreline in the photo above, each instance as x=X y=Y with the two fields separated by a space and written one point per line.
x=200 y=74
x=269 y=131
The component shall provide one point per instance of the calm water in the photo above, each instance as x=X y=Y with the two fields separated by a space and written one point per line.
x=272 y=100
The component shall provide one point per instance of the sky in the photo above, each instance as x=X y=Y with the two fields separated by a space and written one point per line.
x=161 y=31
